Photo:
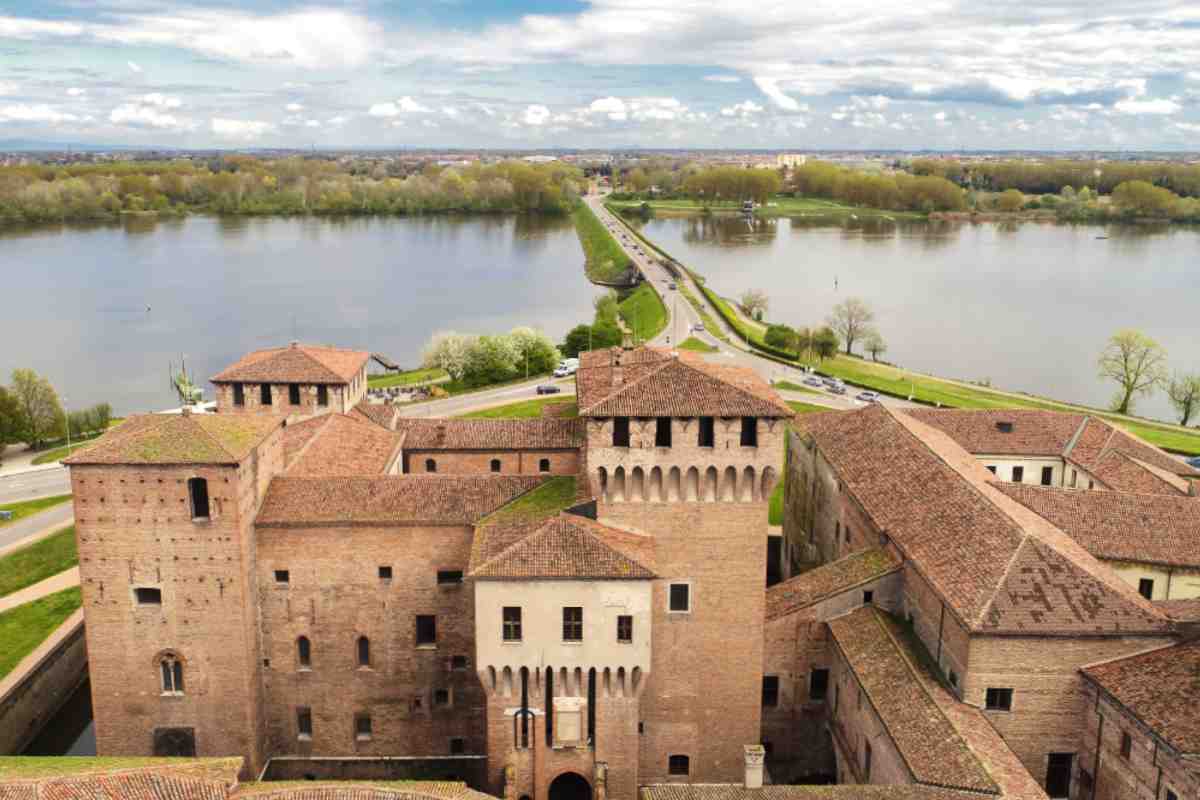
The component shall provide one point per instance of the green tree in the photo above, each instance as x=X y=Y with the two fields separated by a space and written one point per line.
x=851 y=319
x=535 y=352
x=825 y=343
x=754 y=302
x=577 y=341
x=781 y=337
x=1143 y=199
x=1183 y=390
x=874 y=344
x=10 y=420
x=42 y=416
x=448 y=351
x=1010 y=200
x=1136 y=362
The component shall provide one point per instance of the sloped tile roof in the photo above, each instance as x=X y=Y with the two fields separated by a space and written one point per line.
x=298 y=434
x=346 y=445
x=492 y=434
x=1119 y=526
x=179 y=439
x=1000 y=567
x=358 y=790
x=1115 y=470
x=388 y=499
x=569 y=546
x=139 y=785
x=1180 y=610
x=296 y=363
x=1159 y=687
x=382 y=414
x=657 y=384
x=827 y=580
x=736 y=791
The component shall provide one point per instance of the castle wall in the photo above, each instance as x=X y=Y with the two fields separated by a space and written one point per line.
x=855 y=724
x=479 y=462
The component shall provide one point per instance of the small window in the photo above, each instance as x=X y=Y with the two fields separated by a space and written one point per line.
x=426 y=629
x=198 y=492
x=441 y=698
x=707 y=432
x=1146 y=588
x=818 y=685
x=294 y=393
x=1091 y=484
x=662 y=432
x=430 y=465
x=680 y=597
x=770 y=691
x=495 y=465
x=449 y=577
x=572 y=624
x=172 y=674
x=953 y=678
x=1018 y=474
x=544 y=465
x=1047 y=476
x=677 y=765
x=866 y=760
x=458 y=663
x=362 y=727
x=148 y=596
x=1126 y=745
x=239 y=395
x=847 y=534
x=364 y=651
x=322 y=395
x=625 y=628
x=304 y=652
x=1171 y=795
x=264 y=394
x=385 y=572
x=868 y=597
x=999 y=700
x=304 y=722
x=991 y=468
x=458 y=746
x=1074 y=478
x=282 y=576
x=749 y=432
x=621 y=432
x=512 y=623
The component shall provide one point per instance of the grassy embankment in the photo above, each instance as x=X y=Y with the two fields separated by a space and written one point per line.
x=36 y=562
x=25 y=627
x=696 y=346
x=406 y=378
x=779 y=206
x=643 y=312
x=604 y=260
x=27 y=507
x=525 y=409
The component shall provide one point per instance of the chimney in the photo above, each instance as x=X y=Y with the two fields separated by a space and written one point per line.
x=293 y=344
x=618 y=374
x=755 y=755
x=627 y=340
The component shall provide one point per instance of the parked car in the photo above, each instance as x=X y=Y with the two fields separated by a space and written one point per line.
x=813 y=380
x=868 y=397
x=548 y=388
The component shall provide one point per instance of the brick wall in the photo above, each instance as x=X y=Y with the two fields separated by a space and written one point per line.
x=479 y=462
x=819 y=516
x=341 y=399
x=947 y=641
x=855 y=723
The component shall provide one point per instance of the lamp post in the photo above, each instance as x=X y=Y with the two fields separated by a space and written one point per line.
x=67 y=419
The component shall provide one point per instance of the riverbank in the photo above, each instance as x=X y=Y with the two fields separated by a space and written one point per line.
x=780 y=206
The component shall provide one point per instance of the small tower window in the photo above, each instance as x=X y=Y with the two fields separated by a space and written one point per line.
x=364 y=651
x=148 y=596
x=707 y=437
x=304 y=652
x=430 y=465
x=172 y=674
x=749 y=432
x=264 y=394
x=239 y=395
x=544 y=465
x=198 y=492
x=385 y=572
x=495 y=465
x=662 y=432
x=620 y=432
x=678 y=765
x=304 y=722
x=625 y=628
x=512 y=623
x=294 y=393
x=322 y=395
x=572 y=624
x=282 y=576
x=426 y=630
x=362 y=727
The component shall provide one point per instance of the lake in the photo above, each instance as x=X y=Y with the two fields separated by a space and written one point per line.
x=101 y=311
x=1028 y=306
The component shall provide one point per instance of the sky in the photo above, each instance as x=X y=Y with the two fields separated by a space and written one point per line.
x=786 y=74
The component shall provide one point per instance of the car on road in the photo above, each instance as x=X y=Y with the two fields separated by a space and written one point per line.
x=698 y=327
x=548 y=388
x=1194 y=461
x=672 y=285
x=829 y=383
x=868 y=397
x=565 y=370
x=838 y=388
x=813 y=380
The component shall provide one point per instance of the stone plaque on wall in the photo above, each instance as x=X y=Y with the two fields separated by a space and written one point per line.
x=568 y=721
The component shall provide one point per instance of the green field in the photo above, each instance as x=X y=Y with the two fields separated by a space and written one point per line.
x=604 y=260
x=405 y=378
x=38 y=561
x=696 y=346
x=643 y=312
x=27 y=507
x=25 y=627
x=524 y=409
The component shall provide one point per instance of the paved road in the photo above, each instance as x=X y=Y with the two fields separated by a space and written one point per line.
x=52 y=518
x=461 y=404
x=28 y=485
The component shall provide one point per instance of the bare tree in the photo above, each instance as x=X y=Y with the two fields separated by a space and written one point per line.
x=1136 y=362
x=755 y=302
x=1184 y=393
x=874 y=344
x=851 y=319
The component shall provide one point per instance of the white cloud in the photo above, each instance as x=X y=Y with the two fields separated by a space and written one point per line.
x=770 y=87
x=312 y=123
x=34 y=113
x=337 y=121
x=1022 y=126
x=410 y=106
x=160 y=100
x=722 y=78
x=75 y=91
x=612 y=107
x=1188 y=127
x=135 y=115
x=743 y=109
x=1156 y=106
x=535 y=115
x=19 y=28
x=133 y=66
x=245 y=130
x=388 y=109
x=294 y=107
x=486 y=109
x=405 y=105
x=940 y=116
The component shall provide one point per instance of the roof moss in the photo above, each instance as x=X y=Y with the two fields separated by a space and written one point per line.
x=555 y=495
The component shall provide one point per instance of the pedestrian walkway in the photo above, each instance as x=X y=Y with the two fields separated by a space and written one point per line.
x=55 y=583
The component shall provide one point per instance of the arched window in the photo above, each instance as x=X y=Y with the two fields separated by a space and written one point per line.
x=430 y=465
x=495 y=465
x=304 y=652
x=172 y=674
x=544 y=465
x=364 y=651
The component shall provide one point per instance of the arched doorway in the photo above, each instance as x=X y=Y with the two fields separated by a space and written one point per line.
x=570 y=786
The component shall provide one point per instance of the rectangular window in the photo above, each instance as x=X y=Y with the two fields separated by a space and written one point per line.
x=1047 y=476
x=1126 y=745
x=770 y=691
x=198 y=494
x=512 y=623
x=847 y=534
x=677 y=765
x=1074 y=478
x=426 y=629
x=294 y=393
x=999 y=700
x=1018 y=474
x=362 y=727
x=680 y=597
x=749 y=432
x=458 y=663
x=866 y=760
x=147 y=596
x=1146 y=588
x=818 y=685
x=707 y=432
x=449 y=576
x=322 y=395
x=621 y=432
x=264 y=394
x=304 y=722
x=282 y=576
x=868 y=597
x=385 y=573
x=662 y=432
x=625 y=628
x=572 y=624
x=239 y=395
x=441 y=698
x=458 y=746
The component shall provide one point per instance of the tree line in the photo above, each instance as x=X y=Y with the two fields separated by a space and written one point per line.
x=897 y=191
x=473 y=361
x=1051 y=177
x=30 y=412
x=245 y=185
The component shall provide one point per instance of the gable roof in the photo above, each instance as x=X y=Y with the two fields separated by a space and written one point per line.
x=646 y=382
x=388 y=499
x=296 y=363
x=179 y=439
x=1119 y=526
x=779 y=791
x=1121 y=472
x=542 y=433
x=345 y=445
x=1160 y=688
x=1000 y=567
x=570 y=546
x=827 y=580
x=384 y=415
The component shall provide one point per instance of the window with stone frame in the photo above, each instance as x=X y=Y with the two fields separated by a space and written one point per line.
x=304 y=725
x=707 y=432
x=572 y=623
x=198 y=497
x=294 y=394
x=625 y=628
x=662 y=432
x=362 y=727
x=322 y=395
x=171 y=669
x=620 y=437
x=997 y=699
x=511 y=621
x=239 y=394
x=264 y=394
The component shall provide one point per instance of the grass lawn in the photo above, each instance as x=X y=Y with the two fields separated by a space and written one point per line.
x=788 y=386
x=604 y=260
x=23 y=628
x=807 y=408
x=405 y=378
x=38 y=561
x=644 y=312
x=710 y=322
x=696 y=346
x=27 y=507
x=524 y=409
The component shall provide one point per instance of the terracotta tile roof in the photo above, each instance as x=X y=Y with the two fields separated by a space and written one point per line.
x=827 y=580
x=1115 y=470
x=388 y=499
x=298 y=434
x=570 y=546
x=934 y=750
x=492 y=434
x=1160 y=688
x=132 y=786
x=179 y=439
x=1119 y=526
x=1000 y=567
x=296 y=363
x=736 y=791
x=382 y=414
x=657 y=384
x=1180 y=610
x=358 y=790
x=346 y=445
